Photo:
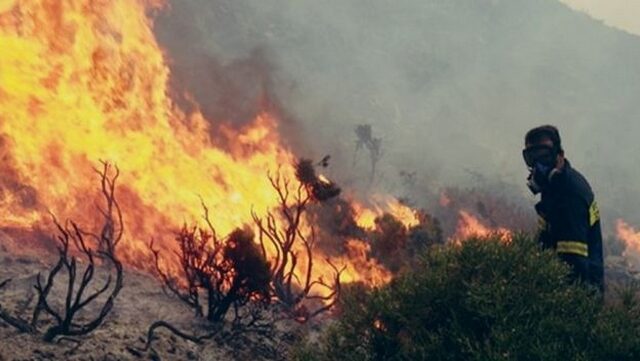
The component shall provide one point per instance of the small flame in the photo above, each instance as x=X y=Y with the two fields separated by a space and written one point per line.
x=631 y=239
x=470 y=226
x=365 y=217
x=378 y=325
x=323 y=179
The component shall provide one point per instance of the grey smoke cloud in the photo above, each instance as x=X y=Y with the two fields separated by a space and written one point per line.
x=450 y=85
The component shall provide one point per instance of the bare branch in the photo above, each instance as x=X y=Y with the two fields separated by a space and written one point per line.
x=287 y=238
x=20 y=324
x=75 y=300
x=4 y=283
x=191 y=297
x=64 y=320
x=229 y=273
x=163 y=324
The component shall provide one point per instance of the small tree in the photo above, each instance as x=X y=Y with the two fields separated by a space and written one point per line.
x=283 y=231
x=365 y=139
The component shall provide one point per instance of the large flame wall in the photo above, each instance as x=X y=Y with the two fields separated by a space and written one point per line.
x=85 y=80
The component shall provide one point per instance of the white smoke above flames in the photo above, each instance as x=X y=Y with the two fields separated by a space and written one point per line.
x=449 y=86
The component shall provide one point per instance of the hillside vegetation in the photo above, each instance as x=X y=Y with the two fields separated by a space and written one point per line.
x=483 y=300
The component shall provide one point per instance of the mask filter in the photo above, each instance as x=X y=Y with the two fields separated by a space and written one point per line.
x=540 y=177
x=541 y=161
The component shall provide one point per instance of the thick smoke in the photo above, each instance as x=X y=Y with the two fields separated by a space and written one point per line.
x=450 y=86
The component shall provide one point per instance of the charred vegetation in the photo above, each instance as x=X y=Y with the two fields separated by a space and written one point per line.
x=217 y=276
x=282 y=230
x=397 y=246
x=4 y=283
x=225 y=273
x=81 y=289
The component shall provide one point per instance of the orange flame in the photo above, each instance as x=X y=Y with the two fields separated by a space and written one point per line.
x=470 y=226
x=84 y=80
x=361 y=268
x=365 y=217
x=631 y=238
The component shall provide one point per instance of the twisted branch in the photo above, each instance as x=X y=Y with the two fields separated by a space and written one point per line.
x=286 y=238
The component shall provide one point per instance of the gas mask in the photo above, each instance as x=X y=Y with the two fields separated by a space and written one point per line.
x=541 y=160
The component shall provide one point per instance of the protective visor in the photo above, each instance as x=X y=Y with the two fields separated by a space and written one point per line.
x=541 y=153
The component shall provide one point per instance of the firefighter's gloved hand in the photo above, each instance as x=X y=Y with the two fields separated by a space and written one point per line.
x=540 y=177
x=533 y=186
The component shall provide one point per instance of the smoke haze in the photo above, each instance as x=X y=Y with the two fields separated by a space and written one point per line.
x=450 y=86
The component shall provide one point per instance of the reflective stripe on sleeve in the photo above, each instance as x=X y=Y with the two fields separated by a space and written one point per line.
x=573 y=247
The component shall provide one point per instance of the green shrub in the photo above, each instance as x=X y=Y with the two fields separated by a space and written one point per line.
x=484 y=300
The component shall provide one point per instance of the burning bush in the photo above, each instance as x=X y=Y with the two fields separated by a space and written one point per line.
x=495 y=208
x=482 y=300
x=318 y=187
x=336 y=224
x=234 y=272
x=228 y=273
x=389 y=242
x=396 y=245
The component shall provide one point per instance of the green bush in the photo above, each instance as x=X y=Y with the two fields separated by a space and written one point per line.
x=484 y=300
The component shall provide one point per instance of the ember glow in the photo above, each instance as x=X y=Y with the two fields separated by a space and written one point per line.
x=83 y=81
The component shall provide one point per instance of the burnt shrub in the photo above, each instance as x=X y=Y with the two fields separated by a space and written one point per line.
x=397 y=246
x=228 y=273
x=482 y=300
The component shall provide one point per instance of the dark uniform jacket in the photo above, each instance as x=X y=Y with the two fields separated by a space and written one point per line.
x=570 y=225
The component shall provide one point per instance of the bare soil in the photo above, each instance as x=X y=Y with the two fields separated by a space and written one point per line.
x=141 y=302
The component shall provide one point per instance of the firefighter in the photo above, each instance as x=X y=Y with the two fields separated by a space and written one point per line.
x=569 y=216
